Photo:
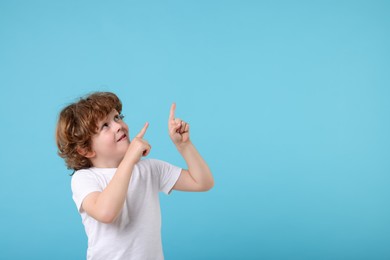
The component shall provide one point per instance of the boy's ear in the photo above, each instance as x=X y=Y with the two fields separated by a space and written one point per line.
x=84 y=152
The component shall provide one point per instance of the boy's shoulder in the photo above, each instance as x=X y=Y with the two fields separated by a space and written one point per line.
x=153 y=162
x=94 y=170
x=143 y=164
x=148 y=163
x=83 y=174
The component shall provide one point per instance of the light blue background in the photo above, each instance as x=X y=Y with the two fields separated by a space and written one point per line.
x=288 y=103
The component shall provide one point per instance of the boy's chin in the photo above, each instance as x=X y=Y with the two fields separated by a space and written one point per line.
x=125 y=148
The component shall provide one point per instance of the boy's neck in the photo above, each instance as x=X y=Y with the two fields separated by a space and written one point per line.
x=104 y=164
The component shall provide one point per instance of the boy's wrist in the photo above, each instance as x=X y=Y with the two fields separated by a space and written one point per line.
x=184 y=146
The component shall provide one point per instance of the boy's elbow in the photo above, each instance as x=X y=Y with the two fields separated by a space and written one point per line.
x=106 y=218
x=211 y=185
x=208 y=186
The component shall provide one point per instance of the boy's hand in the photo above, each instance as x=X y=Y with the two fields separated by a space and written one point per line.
x=138 y=146
x=179 y=131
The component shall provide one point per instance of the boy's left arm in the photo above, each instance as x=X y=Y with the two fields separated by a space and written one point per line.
x=198 y=177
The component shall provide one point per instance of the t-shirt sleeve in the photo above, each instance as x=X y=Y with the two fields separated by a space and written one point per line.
x=83 y=183
x=168 y=174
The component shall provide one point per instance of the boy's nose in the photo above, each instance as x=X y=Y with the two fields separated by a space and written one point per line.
x=117 y=127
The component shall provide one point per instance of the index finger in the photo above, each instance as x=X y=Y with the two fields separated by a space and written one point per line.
x=143 y=131
x=172 y=112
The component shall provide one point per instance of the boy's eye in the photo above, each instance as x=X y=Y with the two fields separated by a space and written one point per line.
x=104 y=125
x=118 y=118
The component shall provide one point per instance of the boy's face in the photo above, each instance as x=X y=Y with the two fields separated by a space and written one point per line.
x=110 y=143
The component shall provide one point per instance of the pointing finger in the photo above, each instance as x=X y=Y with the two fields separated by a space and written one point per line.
x=172 y=112
x=143 y=131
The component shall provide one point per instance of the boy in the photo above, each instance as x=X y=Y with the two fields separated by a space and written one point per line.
x=116 y=193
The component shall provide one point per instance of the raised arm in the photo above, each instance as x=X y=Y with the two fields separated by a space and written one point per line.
x=105 y=206
x=198 y=177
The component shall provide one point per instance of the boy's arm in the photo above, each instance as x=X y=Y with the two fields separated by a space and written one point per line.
x=198 y=177
x=106 y=205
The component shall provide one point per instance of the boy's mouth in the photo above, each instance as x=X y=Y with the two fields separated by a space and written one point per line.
x=122 y=137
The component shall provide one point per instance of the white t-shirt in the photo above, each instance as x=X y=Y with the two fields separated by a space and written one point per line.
x=136 y=232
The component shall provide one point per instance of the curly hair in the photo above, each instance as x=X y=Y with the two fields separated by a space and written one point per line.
x=78 y=122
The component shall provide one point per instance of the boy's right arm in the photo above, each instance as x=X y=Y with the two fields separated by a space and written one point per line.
x=106 y=205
